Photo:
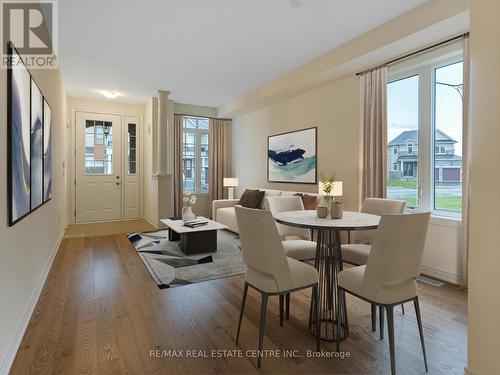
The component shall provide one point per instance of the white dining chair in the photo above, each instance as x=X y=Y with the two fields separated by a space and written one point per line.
x=357 y=252
x=389 y=276
x=296 y=241
x=269 y=270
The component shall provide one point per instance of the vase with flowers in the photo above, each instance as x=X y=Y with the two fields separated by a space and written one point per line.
x=326 y=187
x=188 y=201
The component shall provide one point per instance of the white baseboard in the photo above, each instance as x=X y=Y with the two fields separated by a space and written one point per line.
x=442 y=275
x=30 y=308
x=151 y=222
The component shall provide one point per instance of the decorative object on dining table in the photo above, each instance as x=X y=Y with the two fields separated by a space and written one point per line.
x=189 y=200
x=336 y=210
x=291 y=157
x=230 y=183
x=329 y=188
x=322 y=212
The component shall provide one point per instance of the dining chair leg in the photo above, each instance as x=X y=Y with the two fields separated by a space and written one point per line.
x=390 y=328
x=374 y=317
x=420 y=330
x=263 y=309
x=287 y=304
x=403 y=308
x=316 y=316
x=346 y=322
x=337 y=315
x=282 y=297
x=311 y=310
x=381 y=321
x=243 y=299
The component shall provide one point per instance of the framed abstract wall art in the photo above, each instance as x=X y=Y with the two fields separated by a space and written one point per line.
x=36 y=146
x=29 y=142
x=291 y=157
x=47 y=151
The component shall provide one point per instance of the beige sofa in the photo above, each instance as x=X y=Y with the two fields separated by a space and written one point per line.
x=224 y=213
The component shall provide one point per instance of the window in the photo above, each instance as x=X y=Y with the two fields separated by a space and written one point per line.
x=132 y=148
x=448 y=84
x=98 y=147
x=424 y=110
x=395 y=150
x=402 y=126
x=195 y=149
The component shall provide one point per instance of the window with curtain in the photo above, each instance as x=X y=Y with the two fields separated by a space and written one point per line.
x=424 y=133
x=195 y=150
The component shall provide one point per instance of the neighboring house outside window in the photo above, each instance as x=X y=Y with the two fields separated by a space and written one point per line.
x=448 y=165
x=195 y=154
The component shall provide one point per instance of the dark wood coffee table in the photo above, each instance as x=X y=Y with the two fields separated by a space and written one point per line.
x=202 y=239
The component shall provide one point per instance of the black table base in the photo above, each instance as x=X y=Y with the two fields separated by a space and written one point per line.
x=329 y=263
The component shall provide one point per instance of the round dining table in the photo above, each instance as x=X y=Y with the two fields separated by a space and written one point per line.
x=328 y=262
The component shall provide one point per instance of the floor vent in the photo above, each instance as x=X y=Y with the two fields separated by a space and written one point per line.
x=430 y=281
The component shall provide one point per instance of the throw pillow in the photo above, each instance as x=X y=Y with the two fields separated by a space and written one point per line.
x=251 y=198
x=309 y=201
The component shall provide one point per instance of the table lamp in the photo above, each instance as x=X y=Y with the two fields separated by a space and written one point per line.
x=230 y=183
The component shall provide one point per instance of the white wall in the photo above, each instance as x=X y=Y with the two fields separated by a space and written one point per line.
x=28 y=248
x=484 y=250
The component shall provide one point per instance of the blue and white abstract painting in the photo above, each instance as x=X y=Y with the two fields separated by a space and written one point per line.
x=47 y=152
x=292 y=157
x=20 y=142
x=36 y=146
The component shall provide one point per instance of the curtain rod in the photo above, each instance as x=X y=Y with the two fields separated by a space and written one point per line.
x=390 y=62
x=199 y=116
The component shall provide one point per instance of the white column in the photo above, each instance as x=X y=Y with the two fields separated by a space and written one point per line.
x=162 y=137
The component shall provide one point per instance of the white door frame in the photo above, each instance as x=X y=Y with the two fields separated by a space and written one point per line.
x=72 y=156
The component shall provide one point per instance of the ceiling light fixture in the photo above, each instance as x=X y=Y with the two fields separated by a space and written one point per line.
x=296 y=3
x=110 y=94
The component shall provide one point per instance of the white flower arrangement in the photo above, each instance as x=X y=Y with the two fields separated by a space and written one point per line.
x=189 y=200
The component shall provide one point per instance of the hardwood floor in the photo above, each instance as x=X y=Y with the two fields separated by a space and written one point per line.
x=100 y=312
x=107 y=228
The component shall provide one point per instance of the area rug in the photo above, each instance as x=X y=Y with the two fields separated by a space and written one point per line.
x=170 y=267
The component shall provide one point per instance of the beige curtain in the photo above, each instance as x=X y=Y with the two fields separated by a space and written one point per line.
x=466 y=153
x=218 y=159
x=373 y=89
x=178 y=164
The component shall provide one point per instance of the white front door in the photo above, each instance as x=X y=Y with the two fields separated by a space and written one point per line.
x=98 y=167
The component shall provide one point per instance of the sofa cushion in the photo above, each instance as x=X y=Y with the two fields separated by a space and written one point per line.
x=268 y=193
x=251 y=198
x=227 y=216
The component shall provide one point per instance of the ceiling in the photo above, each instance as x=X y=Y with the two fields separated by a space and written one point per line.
x=205 y=52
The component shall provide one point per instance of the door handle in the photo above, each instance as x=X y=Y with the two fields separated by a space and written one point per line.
x=118 y=183
x=117 y=177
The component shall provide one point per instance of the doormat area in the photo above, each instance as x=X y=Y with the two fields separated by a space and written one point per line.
x=170 y=267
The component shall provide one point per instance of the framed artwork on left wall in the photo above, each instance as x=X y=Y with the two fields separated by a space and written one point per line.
x=29 y=149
